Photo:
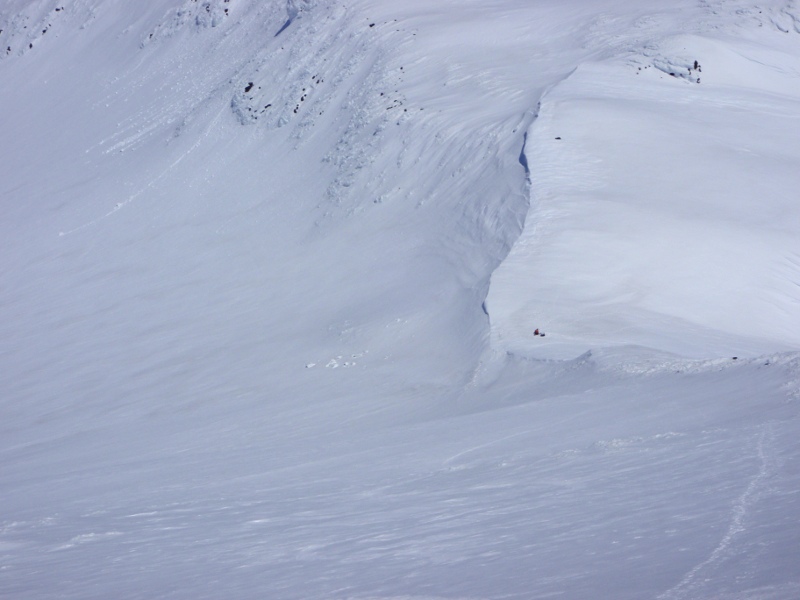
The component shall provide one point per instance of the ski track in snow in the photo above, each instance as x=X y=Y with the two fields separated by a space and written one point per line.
x=448 y=463
x=691 y=584
x=153 y=182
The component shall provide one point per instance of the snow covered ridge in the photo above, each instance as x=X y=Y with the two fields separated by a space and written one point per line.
x=663 y=212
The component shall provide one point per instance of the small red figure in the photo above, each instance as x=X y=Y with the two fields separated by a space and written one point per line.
x=536 y=332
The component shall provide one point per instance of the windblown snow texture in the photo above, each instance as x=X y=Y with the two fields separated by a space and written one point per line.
x=271 y=272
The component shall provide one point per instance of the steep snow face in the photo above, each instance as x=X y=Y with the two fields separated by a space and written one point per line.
x=662 y=213
x=270 y=272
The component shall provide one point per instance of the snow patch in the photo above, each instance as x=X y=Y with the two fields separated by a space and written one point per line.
x=192 y=14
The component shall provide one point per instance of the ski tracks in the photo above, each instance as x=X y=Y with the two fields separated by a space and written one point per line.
x=690 y=585
x=152 y=183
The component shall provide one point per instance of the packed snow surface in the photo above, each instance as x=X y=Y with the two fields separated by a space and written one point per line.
x=271 y=272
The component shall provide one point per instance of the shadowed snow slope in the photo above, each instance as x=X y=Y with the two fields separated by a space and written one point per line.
x=270 y=272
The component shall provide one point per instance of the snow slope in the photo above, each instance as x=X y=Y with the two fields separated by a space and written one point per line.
x=270 y=272
x=662 y=208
